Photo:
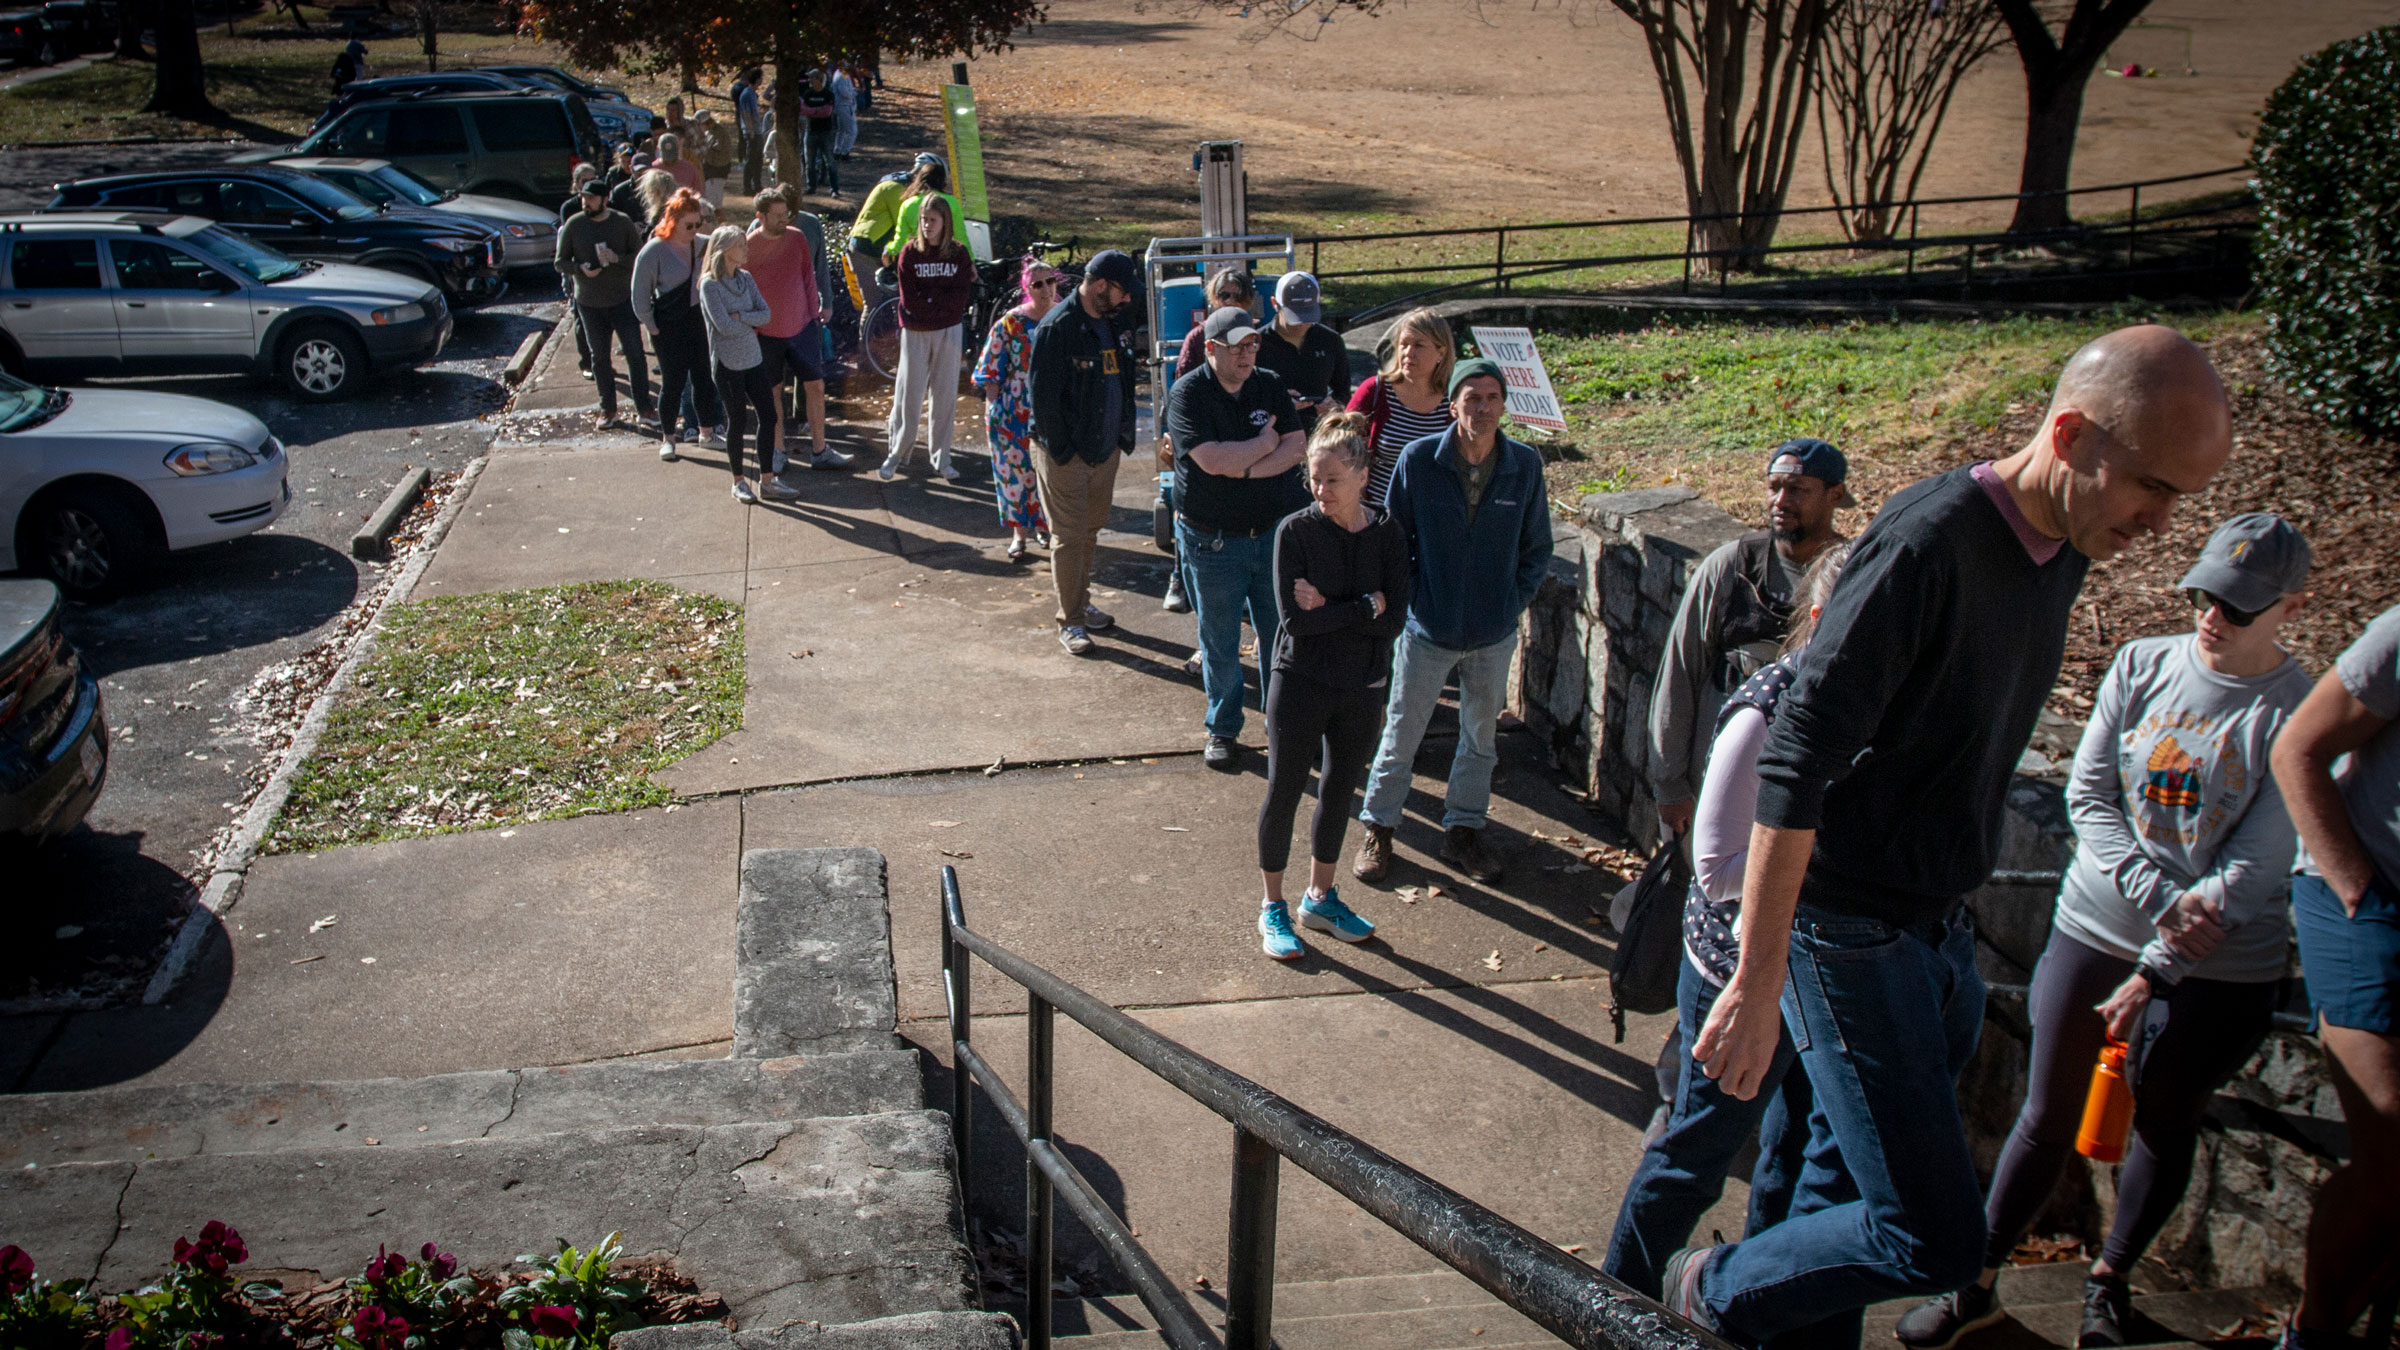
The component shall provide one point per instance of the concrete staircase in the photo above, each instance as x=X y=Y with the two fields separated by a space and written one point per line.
x=801 y=1179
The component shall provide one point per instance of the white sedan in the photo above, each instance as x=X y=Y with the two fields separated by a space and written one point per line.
x=98 y=485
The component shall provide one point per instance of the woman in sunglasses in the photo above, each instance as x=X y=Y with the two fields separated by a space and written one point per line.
x=2171 y=930
x=1004 y=375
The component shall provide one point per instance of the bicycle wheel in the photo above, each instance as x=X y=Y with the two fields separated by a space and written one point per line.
x=879 y=338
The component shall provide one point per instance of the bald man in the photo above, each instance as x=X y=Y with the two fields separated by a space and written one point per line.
x=1881 y=793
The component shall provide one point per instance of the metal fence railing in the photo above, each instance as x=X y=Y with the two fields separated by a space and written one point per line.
x=1580 y=1305
x=2110 y=245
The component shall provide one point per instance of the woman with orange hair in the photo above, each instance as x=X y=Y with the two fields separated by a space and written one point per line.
x=666 y=298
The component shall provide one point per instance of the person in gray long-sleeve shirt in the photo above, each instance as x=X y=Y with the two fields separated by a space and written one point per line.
x=595 y=253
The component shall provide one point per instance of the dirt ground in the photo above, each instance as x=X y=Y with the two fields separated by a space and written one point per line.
x=1453 y=112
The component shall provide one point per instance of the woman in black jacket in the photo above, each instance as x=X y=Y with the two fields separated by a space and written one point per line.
x=1341 y=587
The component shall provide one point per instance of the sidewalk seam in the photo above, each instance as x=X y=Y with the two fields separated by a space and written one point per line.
x=232 y=868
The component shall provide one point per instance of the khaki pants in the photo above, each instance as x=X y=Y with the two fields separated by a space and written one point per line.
x=1077 y=496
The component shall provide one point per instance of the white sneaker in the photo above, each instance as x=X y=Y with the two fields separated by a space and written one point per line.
x=776 y=490
x=714 y=440
x=743 y=493
x=829 y=458
x=889 y=469
x=947 y=469
x=775 y=461
x=666 y=450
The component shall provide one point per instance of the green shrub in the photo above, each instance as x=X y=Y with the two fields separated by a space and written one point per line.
x=2328 y=265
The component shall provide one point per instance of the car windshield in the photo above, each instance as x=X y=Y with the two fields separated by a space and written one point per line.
x=398 y=182
x=333 y=201
x=244 y=254
x=20 y=403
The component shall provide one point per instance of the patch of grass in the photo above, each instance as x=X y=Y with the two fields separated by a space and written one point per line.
x=525 y=705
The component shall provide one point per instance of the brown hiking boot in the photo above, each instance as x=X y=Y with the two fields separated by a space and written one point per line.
x=1463 y=848
x=1374 y=860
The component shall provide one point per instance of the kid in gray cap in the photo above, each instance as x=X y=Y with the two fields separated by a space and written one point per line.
x=2252 y=561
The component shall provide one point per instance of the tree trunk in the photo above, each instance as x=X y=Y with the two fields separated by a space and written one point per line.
x=429 y=29
x=691 y=73
x=2053 y=111
x=791 y=71
x=180 y=87
x=130 y=14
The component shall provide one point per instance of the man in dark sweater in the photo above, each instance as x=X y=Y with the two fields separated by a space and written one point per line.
x=1082 y=377
x=1880 y=801
x=1302 y=352
x=1238 y=447
x=595 y=254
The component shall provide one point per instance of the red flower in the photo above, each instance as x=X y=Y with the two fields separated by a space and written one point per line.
x=385 y=1266
x=119 y=1339
x=16 y=1269
x=219 y=1249
x=441 y=1263
x=376 y=1329
x=554 y=1322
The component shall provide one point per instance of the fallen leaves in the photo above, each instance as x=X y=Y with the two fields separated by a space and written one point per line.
x=322 y=924
x=956 y=853
x=1492 y=962
x=943 y=824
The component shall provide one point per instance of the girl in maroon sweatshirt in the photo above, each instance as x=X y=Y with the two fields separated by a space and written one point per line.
x=937 y=279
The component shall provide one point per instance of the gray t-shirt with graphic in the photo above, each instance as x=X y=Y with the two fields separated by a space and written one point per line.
x=2172 y=793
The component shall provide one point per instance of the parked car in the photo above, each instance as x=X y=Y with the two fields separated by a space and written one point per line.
x=529 y=232
x=307 y=217
x=146 y=293
x=26 y=39
x=523 y=145
x=609 y=105
x=82 y=25
x=385 y=88
x=97 y=486
x=53 y=733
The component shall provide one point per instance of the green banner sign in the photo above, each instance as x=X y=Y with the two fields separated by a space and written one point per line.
x=966 y=151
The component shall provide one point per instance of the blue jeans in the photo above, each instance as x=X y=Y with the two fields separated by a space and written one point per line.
x=1884 y=1019
x=1223 y=574
x=1683 y=1174
x=1419 y=671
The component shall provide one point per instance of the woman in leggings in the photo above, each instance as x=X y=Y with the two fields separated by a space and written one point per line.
x=1341 y=592
x=730 y=298
x=666 y=301
x=2170 y=934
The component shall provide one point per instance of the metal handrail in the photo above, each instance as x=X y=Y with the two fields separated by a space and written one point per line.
x=1580 y=1305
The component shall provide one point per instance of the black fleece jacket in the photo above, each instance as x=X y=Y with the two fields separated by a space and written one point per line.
x=1342 y=643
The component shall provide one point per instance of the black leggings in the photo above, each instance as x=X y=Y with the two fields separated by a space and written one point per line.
x=682 y=344
x=2211 y=1029
x=1301 y=715
x=738 y=387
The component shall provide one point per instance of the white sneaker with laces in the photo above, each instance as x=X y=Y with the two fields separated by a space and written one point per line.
x=890 y=468
x=776 y=490
x=829 y=458
x=714 y=440
x=666 y=450
x=743 y=493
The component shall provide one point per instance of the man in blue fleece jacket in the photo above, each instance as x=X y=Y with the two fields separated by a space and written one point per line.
x=1478 y=524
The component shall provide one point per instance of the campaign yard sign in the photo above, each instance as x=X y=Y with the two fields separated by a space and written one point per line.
x=1531 y=401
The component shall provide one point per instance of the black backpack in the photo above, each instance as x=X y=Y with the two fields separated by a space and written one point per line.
x=1649 y=957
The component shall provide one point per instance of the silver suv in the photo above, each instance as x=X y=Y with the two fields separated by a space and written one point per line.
x=86 y=294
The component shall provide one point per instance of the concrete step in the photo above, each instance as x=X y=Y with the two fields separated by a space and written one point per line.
x=2044 y=1306
x=914 y=1331
x=1368 y=1312
x=831 y=1220
x=130 y=1124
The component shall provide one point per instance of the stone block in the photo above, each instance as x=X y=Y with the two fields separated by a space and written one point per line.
x=814 y=942
x=1613 y=513
x=1620 y=581
x=1657 y=622
x=1634 y=747
x=1568 y=688
x=913 y=1331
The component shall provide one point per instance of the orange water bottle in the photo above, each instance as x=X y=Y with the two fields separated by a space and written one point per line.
x=2107 y=1108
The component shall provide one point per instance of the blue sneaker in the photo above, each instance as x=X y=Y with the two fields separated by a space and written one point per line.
x=1275 y=927
x=1327 y=914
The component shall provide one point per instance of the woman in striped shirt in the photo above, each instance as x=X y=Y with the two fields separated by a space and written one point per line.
x=1405 y=401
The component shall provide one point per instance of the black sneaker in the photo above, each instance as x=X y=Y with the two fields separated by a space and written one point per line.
x=1939 y=1323
x=2107 y=1312
x=1220 y=754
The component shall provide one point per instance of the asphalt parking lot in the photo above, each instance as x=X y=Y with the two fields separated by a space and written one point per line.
x=174 y=658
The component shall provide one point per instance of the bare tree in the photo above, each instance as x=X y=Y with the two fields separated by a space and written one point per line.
x=2056 y=69
x=179 y=86
x=1883 y=88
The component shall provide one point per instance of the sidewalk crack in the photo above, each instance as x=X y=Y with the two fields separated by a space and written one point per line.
x=516 y=1089
x=100 y=1262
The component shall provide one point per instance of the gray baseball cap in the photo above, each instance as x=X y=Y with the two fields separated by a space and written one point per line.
x=2252 y=561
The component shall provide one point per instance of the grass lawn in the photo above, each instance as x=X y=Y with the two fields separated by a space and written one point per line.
x=525 y=705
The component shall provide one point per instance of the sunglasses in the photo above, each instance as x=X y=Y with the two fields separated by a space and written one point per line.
x=2204 y=601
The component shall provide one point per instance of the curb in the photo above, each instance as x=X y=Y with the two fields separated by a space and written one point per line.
x=224 y=886
x=133 y=140
x=374 y=541
x=521 y=365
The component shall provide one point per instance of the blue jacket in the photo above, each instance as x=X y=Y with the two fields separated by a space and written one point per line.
x=1473 y=582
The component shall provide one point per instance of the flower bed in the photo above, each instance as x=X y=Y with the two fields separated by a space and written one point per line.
x=578 y=1298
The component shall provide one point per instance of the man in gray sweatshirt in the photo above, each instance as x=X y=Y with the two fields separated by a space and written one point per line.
x=595 y=253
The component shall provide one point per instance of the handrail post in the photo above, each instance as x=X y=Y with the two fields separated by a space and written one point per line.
x=1250 y=1243
x=955 y=961
x=1038 y=1234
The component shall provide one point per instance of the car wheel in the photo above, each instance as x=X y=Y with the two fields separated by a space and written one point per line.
x=92 y=541
x=322 y=364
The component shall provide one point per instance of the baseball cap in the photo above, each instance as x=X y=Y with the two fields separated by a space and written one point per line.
x=1808 y=456
x=593 y=187
x=1230 y=326
x=2251 y=561
x=1297 y=296
x=641 y=159
x=1115 y=265
x=1472 y=367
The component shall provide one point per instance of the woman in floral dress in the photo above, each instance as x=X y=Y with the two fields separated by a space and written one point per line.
x=1003 y=374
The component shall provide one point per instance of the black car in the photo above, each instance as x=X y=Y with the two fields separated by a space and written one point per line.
x=385 y=88
x=306 y=217
x=26 y=39
x=53 y=738
x=82 y=25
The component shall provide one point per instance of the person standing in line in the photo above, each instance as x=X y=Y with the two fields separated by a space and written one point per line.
x=1005 y=376
x=937 y=279
x=671 y=162
x=751 y=125
x=567 y=210
x=666 y=301
x=930 y=181
x=1407 y=400
x=1478 y=523
x=1882 y=791
x=793 y=342
x=2170 y=934
x=817 y=128
x=1298 y=349
x=1238 y=448
x=1735 y=611
x=351 y=66
x=1083 y=372
x=595 y=253
x=1688 y=1154
x=2338 y=764
x=845 y=112
x=874 y=231
x=1341 y=586
x=1229 y=286
x=735 y=310
x=714 y=149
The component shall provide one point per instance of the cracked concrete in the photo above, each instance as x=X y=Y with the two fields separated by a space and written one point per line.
x=813 y=942
x=914 y=1331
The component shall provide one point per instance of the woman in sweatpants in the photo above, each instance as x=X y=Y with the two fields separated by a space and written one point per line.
x=937 y=279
